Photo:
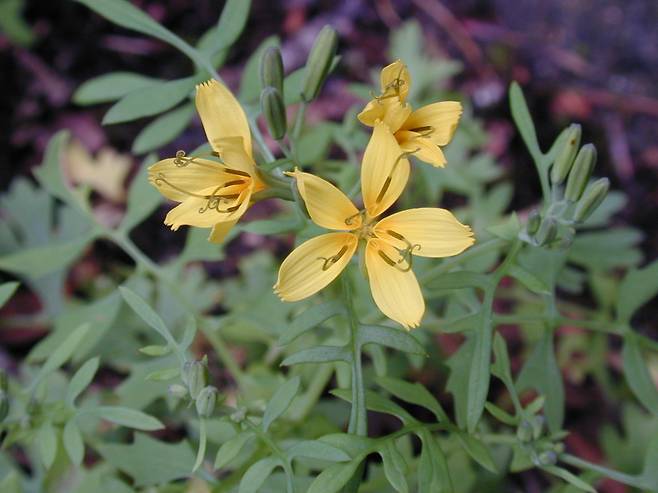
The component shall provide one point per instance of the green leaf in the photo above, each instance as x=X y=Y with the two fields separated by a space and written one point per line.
x=149 y=461
x=231 y=23
x=479 y=375
x=35 y=263
x=334 y=477
x=309 y=319
x=147 y=314
x=529 y=280
x=271 y=226
x=155 y=350
x=501 y=415
x=395 y=467
x=163 y=375
x=478 y=451
x=318 y=354
x=73 y=443
x=433 y=472
x=569 y=478
x=314 y=449
x=637 y=375
x=124 y=14
x=163 y=129
x=398 y=339
x=541 y=372
x=523 y=120
x=81 y=380
x=257 y=473
x=280 y=401
x=501 y=365
x=150 y=100
x=375 y=402
x=353 y=445
x=638 y=288
x=50 y=175
x=508 y=229
x=60 y=355
x=47 y=443
x=130 y=418
x=143 y=198
x=250 y=81
x=7 y=290
x=230 y=449
x=650 y=469
x=414 y=393
x=457 y=385
x=110 y=87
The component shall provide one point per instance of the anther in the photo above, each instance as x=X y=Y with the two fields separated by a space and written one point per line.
x=389 y=178
x=237 y=172
x=329 y=261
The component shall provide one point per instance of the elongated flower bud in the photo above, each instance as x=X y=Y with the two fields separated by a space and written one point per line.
x=547 y=231
x=194 y=376
x=4 y=396
x=319 y=62
x=565 y=157
x=524 y=431
x=580 y=173
x=594 y=195
x=206 y=400
x=177 y=390
x=538 y=427
x=548 y=458
x=271 y=103
x=271 y=69
x=534 y=220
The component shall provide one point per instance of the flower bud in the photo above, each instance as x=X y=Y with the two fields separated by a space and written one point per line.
x=271 y=103
x=565 y=157
x=580 y=173
x=319 y=62
x=194 y=376
x=177 y=390
x=4 y=396
x=524 y=431
x=206 y=400
x=271 y=69
x=547 y=231
x=567 y=239
x=594 y=195
x=534 y=220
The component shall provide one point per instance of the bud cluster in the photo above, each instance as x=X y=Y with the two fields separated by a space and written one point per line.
x=317 y=68
x=194 y=377
x=573 y=199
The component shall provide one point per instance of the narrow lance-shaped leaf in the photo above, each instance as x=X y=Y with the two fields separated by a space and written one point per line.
x=163 y=129
x=230 y=449
x=390 y=337
x=637 y=288
x=73 y=443
x=124 y=416
x=230 y=25
x=414 y=393
x=280 y=401
x=309 y=319
x=110 y=87
x=394 y=467
x=637 y=375
x=333 y=478
x=523 y=119
x=81 y=379
x=143 y=197
x=257 y=473
x=7 y=290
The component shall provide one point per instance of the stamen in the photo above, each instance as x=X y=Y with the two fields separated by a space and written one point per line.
x=329 y=261
x=161 y=179
x=237 y=172
x=389 y=178
x=425 y=131
x=182 y=160
x=396 y=265
x=350 y=220
x=410 y=246
x=396 y=84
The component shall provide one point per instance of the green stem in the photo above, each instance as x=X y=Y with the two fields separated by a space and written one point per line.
x=225 y=356
x=358 y=416
x=274 y=448
x=635 y=481
x=299 y=123
x=258 y=137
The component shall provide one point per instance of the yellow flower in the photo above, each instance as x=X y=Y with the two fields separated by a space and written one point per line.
x=390 y=243
x=418 y=132
x=212 y=194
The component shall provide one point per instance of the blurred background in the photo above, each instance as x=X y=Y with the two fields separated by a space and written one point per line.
x=594 y=62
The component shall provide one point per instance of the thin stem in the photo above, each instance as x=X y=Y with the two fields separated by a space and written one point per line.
x=299 y=123
x=358 y=416
x=258 y=137
x=636 y=481
x=274 y=448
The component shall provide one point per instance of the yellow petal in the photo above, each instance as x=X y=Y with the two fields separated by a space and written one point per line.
x=442 y=118
x=220 y=230
x=221 y=114
x=437 y=232
x=421 y=147
x=384 y=171
x=395 y=80
x=373 y=111
x=235 y=158
x=396 y=293
x=176 y=182
x=326 y=204
x=204 y=212
x=391 y=111
x=314 y=264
